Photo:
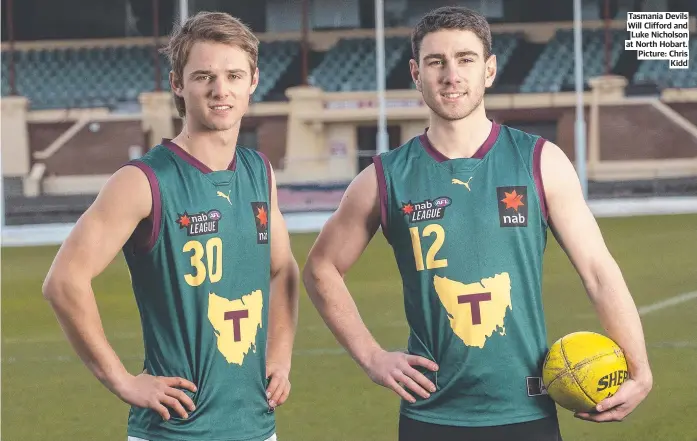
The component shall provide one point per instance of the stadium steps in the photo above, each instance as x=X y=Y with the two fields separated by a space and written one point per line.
x=12 y=186
x=518 y=66
x=643 y=188
x=21 y=210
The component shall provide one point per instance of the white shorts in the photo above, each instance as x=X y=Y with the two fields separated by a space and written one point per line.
x=133 y=438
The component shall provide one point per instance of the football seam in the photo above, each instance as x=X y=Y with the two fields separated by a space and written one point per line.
x=573 y=374
x=585 y=362
x=559 y=375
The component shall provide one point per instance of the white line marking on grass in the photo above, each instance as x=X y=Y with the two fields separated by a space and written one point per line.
x=674 y=344
x=682 y=298
x=653 y=307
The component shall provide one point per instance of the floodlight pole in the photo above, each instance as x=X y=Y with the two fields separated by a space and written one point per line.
x=156 y=44
x=382 y=140
x=11 y=72
x=183 y=11
x=580 y=126
x=304 y=44
x=2 y=199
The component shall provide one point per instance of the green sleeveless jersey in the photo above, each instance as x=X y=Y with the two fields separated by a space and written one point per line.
x=469 y=236
x=200 y=271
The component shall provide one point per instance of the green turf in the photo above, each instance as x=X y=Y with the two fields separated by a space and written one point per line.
x=48 y=394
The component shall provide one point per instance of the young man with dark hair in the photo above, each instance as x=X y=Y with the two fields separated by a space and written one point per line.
x=466 y=207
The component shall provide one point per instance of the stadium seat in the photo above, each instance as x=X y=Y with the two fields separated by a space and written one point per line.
x=89 y=77
x=503 y=45
x=350 y=64
x=554 y=69
x=658 y=72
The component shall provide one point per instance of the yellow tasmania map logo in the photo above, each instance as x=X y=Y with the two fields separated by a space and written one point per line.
x=476 y=310
x=235 y=324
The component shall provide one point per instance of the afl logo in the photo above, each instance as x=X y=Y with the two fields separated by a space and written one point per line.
x=214 y=215
x=442 y=202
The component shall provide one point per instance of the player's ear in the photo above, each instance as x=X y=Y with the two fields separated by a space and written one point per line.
x=490 y=71
x=255 y=79
x=175 y=83
x=415 y=74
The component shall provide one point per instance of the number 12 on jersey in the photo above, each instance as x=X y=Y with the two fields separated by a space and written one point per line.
x=431 y=261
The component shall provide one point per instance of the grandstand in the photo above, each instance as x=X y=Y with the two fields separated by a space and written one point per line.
x=94 y=76
x=77 y=108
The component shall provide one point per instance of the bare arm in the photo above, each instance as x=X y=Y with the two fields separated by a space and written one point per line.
x=576 y=230
x=93 y=243
x=339 y=245
x=283 y=313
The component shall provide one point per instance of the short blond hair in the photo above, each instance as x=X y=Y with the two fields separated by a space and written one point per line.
x=215 y=27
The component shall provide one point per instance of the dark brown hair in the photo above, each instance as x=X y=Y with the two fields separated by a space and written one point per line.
x=451 y=17
x=216 y=27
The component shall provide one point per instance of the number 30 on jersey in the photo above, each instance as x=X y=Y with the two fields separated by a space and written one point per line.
x=213 y=265
x=431 y=261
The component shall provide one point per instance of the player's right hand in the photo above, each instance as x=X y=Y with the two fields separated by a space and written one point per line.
x=394 y=370
x=159 y=394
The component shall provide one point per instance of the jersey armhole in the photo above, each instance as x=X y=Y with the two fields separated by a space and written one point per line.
x=382 y=193
x=537 y=176
x=148 y=230
x=267 y=163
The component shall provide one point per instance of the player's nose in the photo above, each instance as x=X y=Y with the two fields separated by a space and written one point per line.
x=451 y=74
x=219 y=88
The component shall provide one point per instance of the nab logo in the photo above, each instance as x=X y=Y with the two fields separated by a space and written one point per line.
x=513 y=208
x=261 y=219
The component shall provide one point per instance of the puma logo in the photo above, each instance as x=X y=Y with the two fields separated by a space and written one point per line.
x=225 y=196
x=466 y=184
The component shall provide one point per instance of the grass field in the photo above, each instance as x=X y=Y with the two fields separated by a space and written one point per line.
x=47 y=394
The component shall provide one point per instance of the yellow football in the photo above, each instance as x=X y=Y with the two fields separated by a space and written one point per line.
x=583 y=368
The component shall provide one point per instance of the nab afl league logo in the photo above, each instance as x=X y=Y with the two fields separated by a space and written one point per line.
x=204 y=222
x=426 y=210
x=513 y=206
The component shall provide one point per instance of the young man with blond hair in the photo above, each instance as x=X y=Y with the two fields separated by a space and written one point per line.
x=215 y=281
x=466 y=207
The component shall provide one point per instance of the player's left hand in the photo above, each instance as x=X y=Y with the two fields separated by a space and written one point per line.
x=615 y=408
x=279 y=386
